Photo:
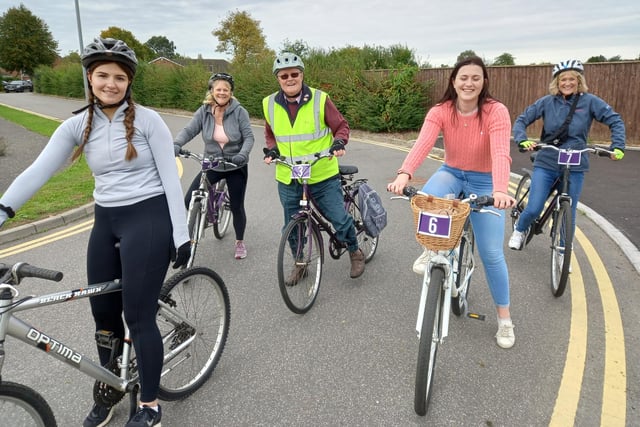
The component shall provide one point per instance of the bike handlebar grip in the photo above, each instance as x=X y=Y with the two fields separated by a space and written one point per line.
x=484 y=201
x=28 y=270
x=409 y=191
x=603 y=153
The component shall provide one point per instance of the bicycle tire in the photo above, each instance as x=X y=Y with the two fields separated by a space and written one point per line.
x=22 y=406
x=367 y=243
x=200 y=298
x=195 y=233
x=300 y=250
x=429 y=340
x=522 y=199
x=459 y=303
x=561 y=247
x=223 y=215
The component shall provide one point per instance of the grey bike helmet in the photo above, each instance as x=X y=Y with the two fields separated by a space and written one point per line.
x=221 y=76
x=571 y=64
x=109 y=50
x=287 y=60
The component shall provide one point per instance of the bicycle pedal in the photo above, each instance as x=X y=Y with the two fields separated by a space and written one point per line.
x=476 y=316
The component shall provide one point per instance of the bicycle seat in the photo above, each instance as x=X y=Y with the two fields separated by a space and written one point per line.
x=348 y=170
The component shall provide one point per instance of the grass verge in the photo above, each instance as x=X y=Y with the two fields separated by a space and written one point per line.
x=69 y=188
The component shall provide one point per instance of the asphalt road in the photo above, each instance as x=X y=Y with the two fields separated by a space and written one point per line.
x=351 y=359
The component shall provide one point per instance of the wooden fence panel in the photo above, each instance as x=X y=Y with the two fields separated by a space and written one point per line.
x=520 y=85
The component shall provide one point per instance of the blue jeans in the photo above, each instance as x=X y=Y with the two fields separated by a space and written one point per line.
x=488 y=229
x=328 y=197
x=541 y=185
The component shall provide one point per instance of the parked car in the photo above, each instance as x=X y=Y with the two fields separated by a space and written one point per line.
x=19 y=86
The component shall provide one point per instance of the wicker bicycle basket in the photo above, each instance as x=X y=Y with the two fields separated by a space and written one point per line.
x=454 y=209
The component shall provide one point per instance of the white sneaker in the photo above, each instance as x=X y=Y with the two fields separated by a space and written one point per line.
x=420 y=264
x=505 y=336
x=517 y=239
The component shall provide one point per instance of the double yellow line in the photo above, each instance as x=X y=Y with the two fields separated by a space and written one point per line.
x=49 y=238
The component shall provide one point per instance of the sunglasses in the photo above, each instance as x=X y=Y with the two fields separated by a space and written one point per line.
x=286 y=76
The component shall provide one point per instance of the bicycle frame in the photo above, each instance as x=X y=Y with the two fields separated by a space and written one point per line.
x=13 y=326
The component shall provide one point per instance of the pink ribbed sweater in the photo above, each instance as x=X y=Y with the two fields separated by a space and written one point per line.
x=468 y=144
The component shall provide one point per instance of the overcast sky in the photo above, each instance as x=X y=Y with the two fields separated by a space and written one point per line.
x=437 y=31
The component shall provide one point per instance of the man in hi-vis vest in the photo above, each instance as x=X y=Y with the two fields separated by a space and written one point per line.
x=302 y=121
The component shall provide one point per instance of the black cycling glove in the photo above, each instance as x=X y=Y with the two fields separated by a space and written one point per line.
x=338 y=145
x=273 y=153
x=182 y=256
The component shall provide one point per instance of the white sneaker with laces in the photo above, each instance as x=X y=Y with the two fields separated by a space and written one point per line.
x=517 y=239
x=420 y=264
x=505 y=336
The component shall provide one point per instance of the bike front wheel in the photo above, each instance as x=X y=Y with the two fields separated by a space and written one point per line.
x=459 y=303
x=23 y=406
x=561 y=247
x=429 y=340
x=300 y=264
x=195 y=226
x=366 y=243
x=193 y=319
x=223 y=214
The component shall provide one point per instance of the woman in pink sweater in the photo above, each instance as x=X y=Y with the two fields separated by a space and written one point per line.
x=477 y=131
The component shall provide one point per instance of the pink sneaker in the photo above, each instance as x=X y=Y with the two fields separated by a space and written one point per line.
x=241 y=250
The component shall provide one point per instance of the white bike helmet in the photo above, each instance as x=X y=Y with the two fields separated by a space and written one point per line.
x=287 y=60
x=570 y=64
x=109 y=50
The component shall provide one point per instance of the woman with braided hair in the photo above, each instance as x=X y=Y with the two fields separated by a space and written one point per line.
x=139 y=212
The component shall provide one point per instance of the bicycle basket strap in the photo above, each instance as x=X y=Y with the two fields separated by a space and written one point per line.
x=439 y=222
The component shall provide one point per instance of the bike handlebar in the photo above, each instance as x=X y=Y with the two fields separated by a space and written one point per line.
x=217 y=163
x=473 y=199
x=21 y=270
x=601 y=151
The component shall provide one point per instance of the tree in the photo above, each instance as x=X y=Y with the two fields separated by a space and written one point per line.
x=616 y=58
x=143 y=53
x=465 y=54
x=504 y=59
x=299 y=47
x=25 y=41
x=599 y=58
x=161 y=46
x=241 y=36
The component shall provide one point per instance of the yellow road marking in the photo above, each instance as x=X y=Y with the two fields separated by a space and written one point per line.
x=566 y=406
x=614 y=389
x=32 y=244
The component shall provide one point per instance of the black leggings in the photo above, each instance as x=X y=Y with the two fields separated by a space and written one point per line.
x=237 y=185
x=144 y=232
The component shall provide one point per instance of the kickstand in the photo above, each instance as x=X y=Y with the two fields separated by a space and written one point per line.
x=133 y=401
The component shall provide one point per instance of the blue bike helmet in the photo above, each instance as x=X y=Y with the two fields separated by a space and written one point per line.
x=571 y=64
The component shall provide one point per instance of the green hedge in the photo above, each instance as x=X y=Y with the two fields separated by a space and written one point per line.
x=391 y=102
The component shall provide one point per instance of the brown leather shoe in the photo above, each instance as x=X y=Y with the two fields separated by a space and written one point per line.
x=357 y=263
x=298 y=272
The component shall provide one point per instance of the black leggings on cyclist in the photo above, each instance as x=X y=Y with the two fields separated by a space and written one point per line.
x=237 y=186
x=144 y=233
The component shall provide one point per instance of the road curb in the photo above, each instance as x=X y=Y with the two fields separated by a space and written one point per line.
x=46 y=224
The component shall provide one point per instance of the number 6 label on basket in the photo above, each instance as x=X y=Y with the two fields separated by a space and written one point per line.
x=301 y=171
x=435 y=225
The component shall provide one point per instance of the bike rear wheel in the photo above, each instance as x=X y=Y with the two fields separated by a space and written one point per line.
x=367 y=243
x=429 y=340
x=223 y=214
x=193 y=319
x=195 y=224
x=561 y=247
x=300 y=260
x=459 y=303
x=22 y=406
